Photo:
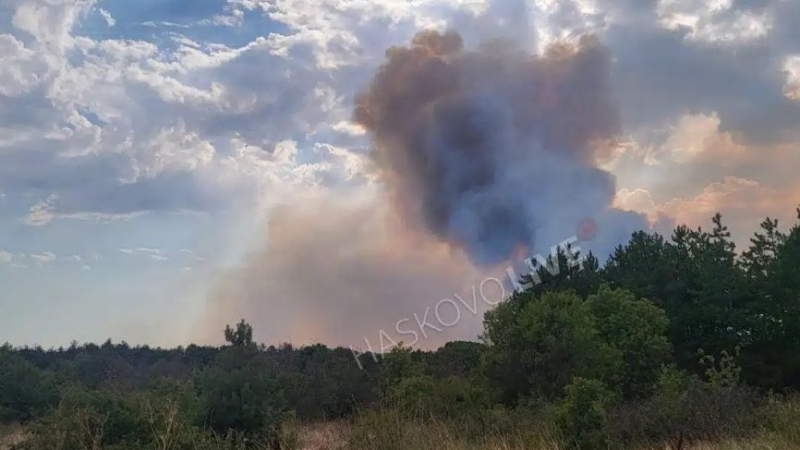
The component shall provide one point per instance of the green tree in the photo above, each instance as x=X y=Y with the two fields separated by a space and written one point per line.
x=695 y=278
x=637 y=330
x=770 y=355
x=25 y=391
x=536 y=348
x=247 y=399
x=241 y=336
x=240 y=391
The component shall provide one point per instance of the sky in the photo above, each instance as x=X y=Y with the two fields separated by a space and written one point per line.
x=170 y=166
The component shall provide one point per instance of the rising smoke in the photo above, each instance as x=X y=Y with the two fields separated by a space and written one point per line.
x=487 y=148
x=480 y=153
x=337 y=274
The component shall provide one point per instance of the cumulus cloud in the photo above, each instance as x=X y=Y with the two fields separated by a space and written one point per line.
x=638 y=200
x=43 y=258
x=714 y=21
x=6 y=257
x=42 y=212
x=19 y=67
x=739 y=197
x=689 y=137
x=743 y=202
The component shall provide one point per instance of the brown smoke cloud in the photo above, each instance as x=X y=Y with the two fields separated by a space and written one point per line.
x=484 y=148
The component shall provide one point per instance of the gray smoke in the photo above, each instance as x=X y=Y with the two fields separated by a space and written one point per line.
x=488 y=148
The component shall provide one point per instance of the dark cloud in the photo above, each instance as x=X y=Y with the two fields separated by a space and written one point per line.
x=659 y=76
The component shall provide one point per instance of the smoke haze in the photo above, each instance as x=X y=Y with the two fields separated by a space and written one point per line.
x=338 y=274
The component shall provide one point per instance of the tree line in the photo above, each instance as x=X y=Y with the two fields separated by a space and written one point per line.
x=674 y=338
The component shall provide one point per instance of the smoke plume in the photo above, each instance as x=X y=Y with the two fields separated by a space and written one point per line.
x=486 y=149
x=481 y=155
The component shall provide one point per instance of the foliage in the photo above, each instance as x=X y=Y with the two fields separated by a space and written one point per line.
x=242 y=336
x=242 y=394
x=582 y=414
x=537 y=348
x=25 y=391
x=637 y=331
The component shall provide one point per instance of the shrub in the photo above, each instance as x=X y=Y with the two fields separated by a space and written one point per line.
x=685 y=409
x=582 y=415
x=536 y=348
x=241 y=393
x=25 y=391
x=637 y=330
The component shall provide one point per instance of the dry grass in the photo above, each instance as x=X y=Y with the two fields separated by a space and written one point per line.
x=325 y=436
x=342 y=435
x=11 y=435
x=386 y=430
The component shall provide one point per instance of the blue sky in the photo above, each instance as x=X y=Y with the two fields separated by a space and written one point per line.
x=149 y=148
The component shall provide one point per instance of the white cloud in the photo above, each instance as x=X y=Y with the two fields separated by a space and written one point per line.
x=713 y=21
x=149 y=250
x=637 y=200
x=110 y=21
x=342 y=32
x=689 y=137
x=173 y=150
x=42 y=212
x=45 y=211
x=21 y=68
x=51 y=22
x=350 y=128
x=352 y=164
x=156 y=254
x=43 y=258
x=791 y=67
x=743 y=202
x=6 y=257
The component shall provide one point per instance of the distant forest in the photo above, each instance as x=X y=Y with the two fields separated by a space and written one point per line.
x=673 y=340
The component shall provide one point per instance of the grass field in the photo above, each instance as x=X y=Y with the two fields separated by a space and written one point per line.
x=386 y=431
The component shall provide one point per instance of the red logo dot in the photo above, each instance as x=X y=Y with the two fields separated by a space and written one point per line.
x=587 y=229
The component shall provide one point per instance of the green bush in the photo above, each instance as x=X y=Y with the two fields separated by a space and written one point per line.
x=637 y=330
x=685 y=409
x=25 y=391
x=536 y=348
x=582 y=415
x=241 y=393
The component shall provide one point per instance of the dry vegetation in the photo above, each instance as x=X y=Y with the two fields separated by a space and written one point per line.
x=387 y=430
x=10 y=435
